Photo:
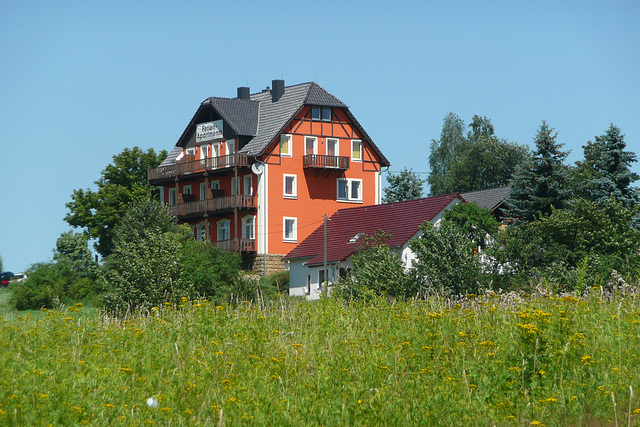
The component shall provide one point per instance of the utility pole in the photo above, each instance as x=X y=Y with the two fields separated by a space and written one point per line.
x=326 y=272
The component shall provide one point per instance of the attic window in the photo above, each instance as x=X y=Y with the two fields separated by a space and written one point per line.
x=323 y=114
x=356 y=237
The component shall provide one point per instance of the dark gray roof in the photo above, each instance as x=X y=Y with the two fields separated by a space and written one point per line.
x=171 y=157
x=274 y=116
x=490 y=198
x=240 y=114
x=263 y=119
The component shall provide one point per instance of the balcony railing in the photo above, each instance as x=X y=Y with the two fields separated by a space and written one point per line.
x=237 y=245
x=212 y=205
x=321 y=161
x=197 y=166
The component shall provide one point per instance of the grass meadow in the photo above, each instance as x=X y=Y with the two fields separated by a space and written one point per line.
x=496 y=359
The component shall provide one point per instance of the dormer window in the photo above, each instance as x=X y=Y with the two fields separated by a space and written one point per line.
x=356 y=237
x=321 y=113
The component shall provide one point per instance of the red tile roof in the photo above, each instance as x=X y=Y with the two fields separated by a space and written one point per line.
x=401 y=219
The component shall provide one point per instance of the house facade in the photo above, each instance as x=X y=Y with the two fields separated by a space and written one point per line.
x=257 y=173
x=345 y=231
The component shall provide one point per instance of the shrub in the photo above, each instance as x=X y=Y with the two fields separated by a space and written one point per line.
x=377 y=271
x=445 y=260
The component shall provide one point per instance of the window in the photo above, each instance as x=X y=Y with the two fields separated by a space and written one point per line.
x=332 y=147
x=203 y=189
x=290 y=229
x=215 y=149
x=235 y=185
x=248 y=185
x=186 y=189
x=318 y=113
x=356 y=150
x=231 y=146
x=350 y=190
x=248 y=227
x=191 y=151
x=204 y=151
x=173 y=196
x=215 y=185
x=285 y=145
x=320 y=277
x=224 y=230
x=310 y=145
x=290 y=190
x=201 y=232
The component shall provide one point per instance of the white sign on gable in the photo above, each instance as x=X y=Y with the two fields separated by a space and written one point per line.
x=208 y=131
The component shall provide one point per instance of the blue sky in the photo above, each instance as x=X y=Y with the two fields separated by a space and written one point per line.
x=82 y=80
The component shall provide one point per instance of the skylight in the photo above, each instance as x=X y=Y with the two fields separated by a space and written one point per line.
x=356 y=237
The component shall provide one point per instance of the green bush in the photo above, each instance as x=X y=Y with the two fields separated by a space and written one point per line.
x=377 y=271
x=276 y=282
x=70 y=277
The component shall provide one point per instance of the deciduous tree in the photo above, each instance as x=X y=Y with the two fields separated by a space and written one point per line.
x=475 y=162
x=122 y=183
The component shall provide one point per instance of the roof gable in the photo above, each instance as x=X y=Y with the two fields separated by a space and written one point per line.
x=263 y=120
x=490 y=198
x=401 y=219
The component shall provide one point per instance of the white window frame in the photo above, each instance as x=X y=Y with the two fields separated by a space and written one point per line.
x=337 y=151
x=294 y=193
x=221 y=224
x=186 y=189
x=322 y=114
x=201 y=232
x=315 y=144
x=349 y=186
x=191 y=151
x=353 y=143
x=215 y=149
x=204 y=151
x=249 y=221
x=173 y=197
x=203 y=190
x=235 y=185
x=293 y=238
x=215 y=185
x=231 y=146
x=289 y=139
x=248 y=185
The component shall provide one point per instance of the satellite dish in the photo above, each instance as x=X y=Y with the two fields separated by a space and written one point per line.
x=257 y=168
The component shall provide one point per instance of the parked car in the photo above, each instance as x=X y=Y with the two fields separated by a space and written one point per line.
x=19 y=278
x=5 y=278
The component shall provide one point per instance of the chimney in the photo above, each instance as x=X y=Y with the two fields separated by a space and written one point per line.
x=278 y=90
x=243 y=92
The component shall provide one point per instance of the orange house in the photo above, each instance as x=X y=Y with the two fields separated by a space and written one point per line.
x=257 y=173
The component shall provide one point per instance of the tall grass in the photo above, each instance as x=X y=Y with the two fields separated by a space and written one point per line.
x=479 y=360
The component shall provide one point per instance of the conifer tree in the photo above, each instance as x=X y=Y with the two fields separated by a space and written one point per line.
x=541 y=182
x=606 y=171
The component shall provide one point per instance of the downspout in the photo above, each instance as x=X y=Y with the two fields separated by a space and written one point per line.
x=264 y=224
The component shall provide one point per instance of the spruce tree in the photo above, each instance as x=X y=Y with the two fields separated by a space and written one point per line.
x=542 y=181
x=606 y=170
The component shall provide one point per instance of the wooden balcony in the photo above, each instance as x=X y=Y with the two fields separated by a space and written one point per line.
x=320 y=161
x=196 y=168
x=212 y=206
x=236 y=245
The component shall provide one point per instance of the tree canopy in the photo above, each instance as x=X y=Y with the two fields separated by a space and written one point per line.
x=541 y=182
x=473 y=162
x=406 y=185
x=606 y=170
x=122 y=183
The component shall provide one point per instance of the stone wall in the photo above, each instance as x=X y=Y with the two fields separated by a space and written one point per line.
x=274 y=264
